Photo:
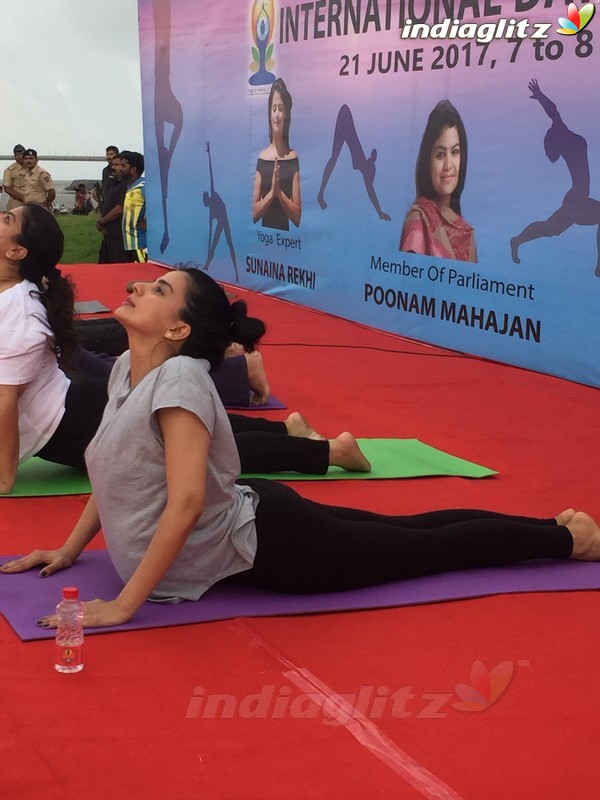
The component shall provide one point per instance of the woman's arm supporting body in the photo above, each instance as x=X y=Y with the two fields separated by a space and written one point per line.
x=33 y=390
x=186 y=442
x=9 y=441
x=84 y=531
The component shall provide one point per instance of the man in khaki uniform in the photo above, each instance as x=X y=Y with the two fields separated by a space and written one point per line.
x=39 y=188
x=14 y=179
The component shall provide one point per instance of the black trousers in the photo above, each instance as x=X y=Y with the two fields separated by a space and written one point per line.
x=102 y=335
x=306 y=547
x=264 y=446
x=84 y=406
x=112 y=250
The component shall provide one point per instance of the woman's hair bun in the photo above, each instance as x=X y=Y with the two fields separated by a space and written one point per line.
x=245 y=330
x=239 y=310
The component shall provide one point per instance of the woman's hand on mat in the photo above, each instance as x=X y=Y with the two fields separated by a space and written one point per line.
x=96 y=614
x=52 y=561
x=99 y=613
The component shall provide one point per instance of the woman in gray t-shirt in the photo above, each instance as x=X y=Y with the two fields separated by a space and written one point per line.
x=163 y=466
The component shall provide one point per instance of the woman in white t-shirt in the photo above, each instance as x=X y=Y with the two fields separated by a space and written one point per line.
x=42 y=411
x=163 y=466
x=53 y=415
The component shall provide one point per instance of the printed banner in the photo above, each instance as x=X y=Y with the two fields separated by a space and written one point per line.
x=427 y=167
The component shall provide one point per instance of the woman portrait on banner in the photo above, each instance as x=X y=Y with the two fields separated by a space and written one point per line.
x=433 y=225
x=276 y=199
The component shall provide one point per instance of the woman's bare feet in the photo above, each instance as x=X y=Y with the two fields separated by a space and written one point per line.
x=565 y=516
x=297 y=425
x=586 y=537
x=344 y=452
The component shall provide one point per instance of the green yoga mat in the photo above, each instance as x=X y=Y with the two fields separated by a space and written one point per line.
x=395 y=458
x=390 y=458
x=39 y=478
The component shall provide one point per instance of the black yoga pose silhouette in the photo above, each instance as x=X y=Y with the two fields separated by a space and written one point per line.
x=345 y=133
x=218 y=213
x=577 y=208
x=167 y=108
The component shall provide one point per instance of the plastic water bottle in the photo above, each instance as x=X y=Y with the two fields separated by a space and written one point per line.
x=69 y=632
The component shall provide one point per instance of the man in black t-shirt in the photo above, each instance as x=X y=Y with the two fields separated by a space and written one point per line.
x=107 y=173
x=111 y=212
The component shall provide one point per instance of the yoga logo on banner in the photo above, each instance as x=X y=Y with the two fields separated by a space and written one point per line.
x=369 y=703
x=262 y=25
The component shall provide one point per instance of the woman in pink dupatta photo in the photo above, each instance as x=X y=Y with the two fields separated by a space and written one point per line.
x=433 y=225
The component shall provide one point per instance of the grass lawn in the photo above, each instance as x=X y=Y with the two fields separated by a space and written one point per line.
x=82 y=240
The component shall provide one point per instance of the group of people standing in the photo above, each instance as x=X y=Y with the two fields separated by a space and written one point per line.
x=121 y=198
x=122 y=213
x=25 y=181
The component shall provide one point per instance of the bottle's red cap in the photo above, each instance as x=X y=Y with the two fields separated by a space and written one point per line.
x=70 y=593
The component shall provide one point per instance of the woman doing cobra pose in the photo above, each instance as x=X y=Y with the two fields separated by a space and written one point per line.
x=53 y=414
x=176 y=521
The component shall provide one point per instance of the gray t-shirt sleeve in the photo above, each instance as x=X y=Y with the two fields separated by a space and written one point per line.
x=178 y=388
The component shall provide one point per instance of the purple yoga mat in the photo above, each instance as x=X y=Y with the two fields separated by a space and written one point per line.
x=25 y=597
x=271 y=404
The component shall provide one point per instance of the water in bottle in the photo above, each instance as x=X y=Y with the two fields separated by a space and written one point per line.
x=69 y=632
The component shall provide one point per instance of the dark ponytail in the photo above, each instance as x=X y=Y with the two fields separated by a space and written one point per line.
x=215 y=323
x=246 y=330
x=43 y=238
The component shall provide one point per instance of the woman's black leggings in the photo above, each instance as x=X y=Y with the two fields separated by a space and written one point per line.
x=84 y=406
x=306 y=547
x=263 y=446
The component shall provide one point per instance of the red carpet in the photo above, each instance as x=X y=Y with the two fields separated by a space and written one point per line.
x=119 y=728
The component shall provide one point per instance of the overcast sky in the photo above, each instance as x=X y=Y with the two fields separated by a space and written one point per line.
x=70 y=79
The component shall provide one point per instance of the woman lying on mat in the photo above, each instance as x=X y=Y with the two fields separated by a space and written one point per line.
x=241 y=380
x=164 y=465
x=45 y=413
